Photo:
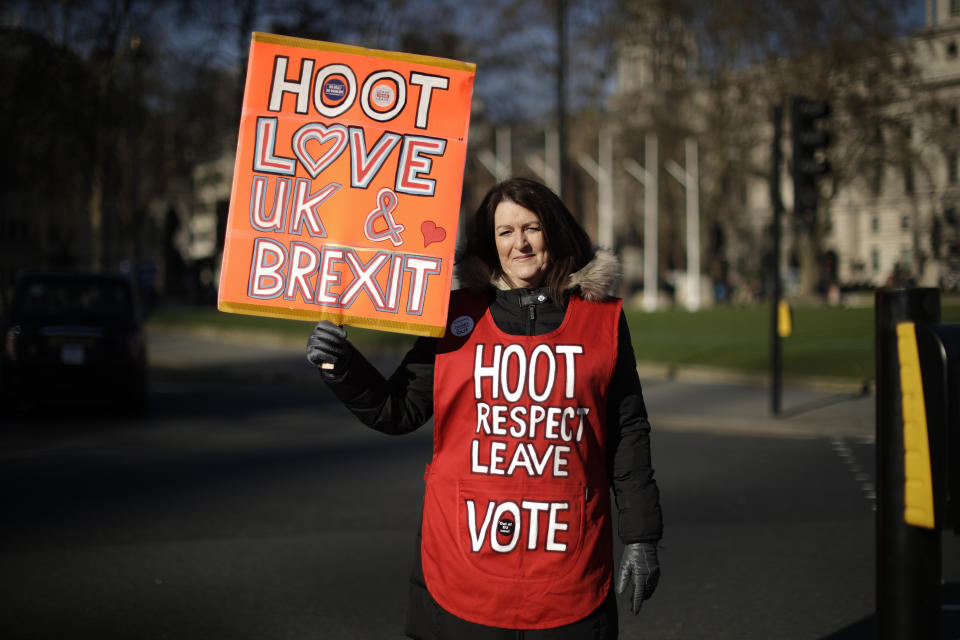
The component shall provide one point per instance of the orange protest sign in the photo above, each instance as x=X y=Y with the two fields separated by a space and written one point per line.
x=346 y=188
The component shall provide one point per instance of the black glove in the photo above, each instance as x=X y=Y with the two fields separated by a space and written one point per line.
x=328 y=344
x=640 y=569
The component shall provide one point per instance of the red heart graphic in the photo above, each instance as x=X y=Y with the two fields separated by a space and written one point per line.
x=432 y=233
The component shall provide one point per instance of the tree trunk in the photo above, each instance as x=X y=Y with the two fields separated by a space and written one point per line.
x=96 y=218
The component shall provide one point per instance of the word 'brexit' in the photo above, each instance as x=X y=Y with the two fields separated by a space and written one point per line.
x=335 y=276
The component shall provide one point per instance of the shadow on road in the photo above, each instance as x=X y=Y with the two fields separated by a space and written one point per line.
x=861 y=630
x=822 y=403
x=866 y=629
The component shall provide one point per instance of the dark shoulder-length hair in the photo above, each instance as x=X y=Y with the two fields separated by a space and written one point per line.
x=568 y=246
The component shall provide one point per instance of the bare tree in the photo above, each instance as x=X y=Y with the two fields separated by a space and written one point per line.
x=749 y=57
x=101 y=102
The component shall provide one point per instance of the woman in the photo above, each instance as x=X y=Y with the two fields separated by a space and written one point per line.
x=537 y=410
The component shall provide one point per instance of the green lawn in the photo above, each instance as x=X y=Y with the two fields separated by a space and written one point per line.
x=825 y=341
x=833 y=342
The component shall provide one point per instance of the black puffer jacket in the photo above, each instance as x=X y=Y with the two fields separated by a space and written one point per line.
x=404 y=401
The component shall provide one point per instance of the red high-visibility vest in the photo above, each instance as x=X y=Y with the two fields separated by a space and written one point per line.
x=516 y=521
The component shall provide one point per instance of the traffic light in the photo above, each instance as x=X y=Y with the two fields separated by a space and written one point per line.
x=809 y=144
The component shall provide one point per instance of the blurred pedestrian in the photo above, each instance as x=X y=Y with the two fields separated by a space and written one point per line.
x=538 y=411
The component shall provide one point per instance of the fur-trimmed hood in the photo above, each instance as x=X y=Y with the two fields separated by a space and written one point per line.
x=597 y=280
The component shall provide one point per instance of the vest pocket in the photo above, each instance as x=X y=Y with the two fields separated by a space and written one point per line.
x=520 y=533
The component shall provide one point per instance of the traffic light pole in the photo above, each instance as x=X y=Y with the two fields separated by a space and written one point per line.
x=775 y=364
x=908 y=557
x=809 y=144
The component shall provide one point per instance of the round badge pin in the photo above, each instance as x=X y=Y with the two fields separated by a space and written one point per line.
x=334 y=91
x=461 y=326
x=383 y=96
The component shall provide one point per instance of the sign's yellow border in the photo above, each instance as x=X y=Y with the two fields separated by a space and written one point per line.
x=319 y=45
x=354 y=321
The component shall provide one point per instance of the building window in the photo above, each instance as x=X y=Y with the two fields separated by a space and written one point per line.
x=954 y=7
x=954 y=116
x=905 y=222
x=951 y=49
x=875 y=223
x=908 y=185
x=952 y=169
x=875 y=259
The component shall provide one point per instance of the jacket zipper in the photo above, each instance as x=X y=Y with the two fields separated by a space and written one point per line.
x=531 y=319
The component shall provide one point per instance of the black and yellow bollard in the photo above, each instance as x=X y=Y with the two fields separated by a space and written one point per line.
x=784 y=319
x=908 y=551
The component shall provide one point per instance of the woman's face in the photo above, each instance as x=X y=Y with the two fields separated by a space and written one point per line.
x=520 y=245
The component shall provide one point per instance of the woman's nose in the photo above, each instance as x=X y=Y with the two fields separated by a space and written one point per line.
x=520 y=240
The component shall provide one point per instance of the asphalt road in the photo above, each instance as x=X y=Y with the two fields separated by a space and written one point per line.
x=248 y=504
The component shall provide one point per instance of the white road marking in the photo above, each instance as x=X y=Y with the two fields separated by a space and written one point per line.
x=842 y=449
